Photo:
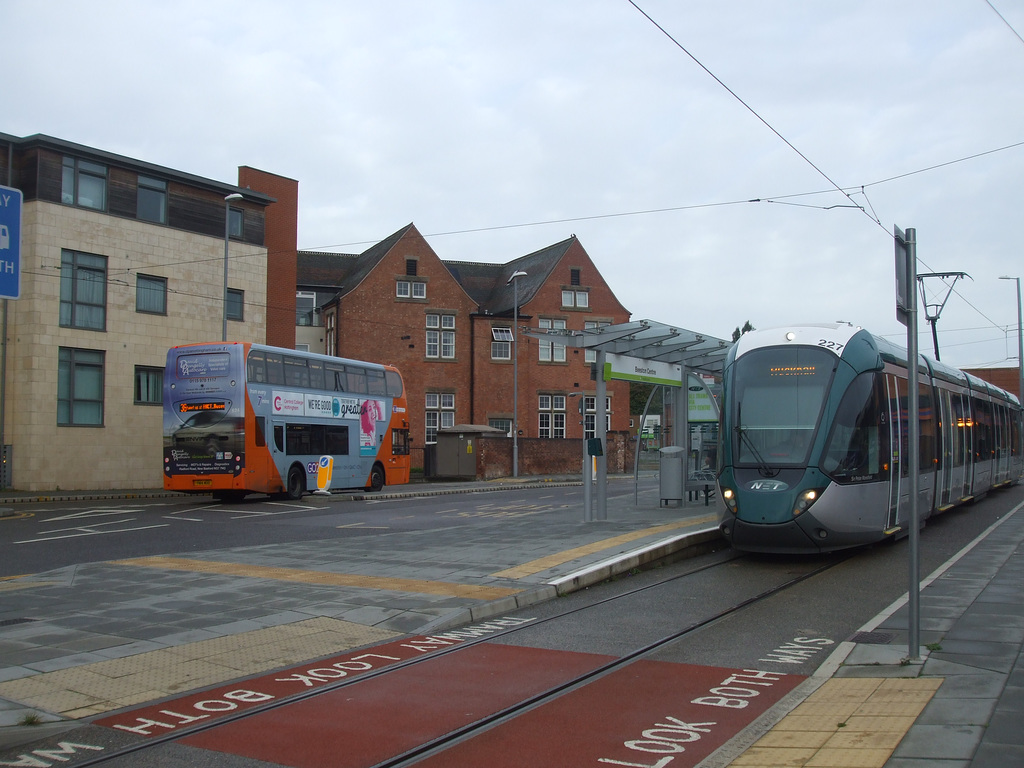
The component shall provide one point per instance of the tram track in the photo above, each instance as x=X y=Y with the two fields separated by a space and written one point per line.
x=504 y=714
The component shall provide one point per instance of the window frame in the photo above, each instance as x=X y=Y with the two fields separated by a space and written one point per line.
x=73 y=283
x=148 y=376
x=73 y=169
x=235 y=299
x=154 y=280
x=550 y=351
x=71 y=362
x=236 y=223
x=154 y=191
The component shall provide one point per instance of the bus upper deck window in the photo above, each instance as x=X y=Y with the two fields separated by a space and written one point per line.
x=257 y=368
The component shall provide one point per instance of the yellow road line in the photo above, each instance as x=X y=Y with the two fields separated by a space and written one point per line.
x=323 y=578
x=550 y=561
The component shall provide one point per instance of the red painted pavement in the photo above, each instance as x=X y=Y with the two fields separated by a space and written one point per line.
x=652 y=715
x=364 y=724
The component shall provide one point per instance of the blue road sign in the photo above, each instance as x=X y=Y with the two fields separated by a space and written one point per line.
x=10 y=243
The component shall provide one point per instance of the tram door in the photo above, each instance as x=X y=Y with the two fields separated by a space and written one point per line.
x=960 y=422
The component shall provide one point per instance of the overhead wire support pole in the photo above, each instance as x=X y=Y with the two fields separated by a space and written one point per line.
x=934 y=318
x=906 y=313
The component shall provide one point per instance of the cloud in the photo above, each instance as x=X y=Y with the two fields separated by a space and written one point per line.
x=484 y=116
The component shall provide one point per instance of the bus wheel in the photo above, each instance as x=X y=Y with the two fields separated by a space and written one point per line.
x=296 y=483
x=376 y=477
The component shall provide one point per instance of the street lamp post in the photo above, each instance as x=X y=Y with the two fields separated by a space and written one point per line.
x=227 y=238
x=515 y=370
x=1020 y=344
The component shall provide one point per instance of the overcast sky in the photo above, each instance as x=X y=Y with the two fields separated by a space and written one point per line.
x=700 y=175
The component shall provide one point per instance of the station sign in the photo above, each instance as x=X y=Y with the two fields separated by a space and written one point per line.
x=626 y=368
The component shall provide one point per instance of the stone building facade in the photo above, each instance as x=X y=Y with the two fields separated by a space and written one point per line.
x=120 y=259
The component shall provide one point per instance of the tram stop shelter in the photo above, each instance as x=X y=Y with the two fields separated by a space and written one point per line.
x=649 y=352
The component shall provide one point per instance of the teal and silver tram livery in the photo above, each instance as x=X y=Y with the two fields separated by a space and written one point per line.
x=814 y=438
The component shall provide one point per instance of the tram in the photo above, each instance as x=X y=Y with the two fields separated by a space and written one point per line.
x=814 y=440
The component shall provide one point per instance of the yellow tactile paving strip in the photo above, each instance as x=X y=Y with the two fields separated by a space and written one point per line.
x=550 y=561
x=847 y=723
x=103 y=686
x=324 y=578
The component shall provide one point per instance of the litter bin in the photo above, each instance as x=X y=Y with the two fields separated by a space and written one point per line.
x=671 y=473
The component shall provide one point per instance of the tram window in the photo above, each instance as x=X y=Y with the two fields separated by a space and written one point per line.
x=928 y=439
x=296 y=374
x=336 y=377
x=275 y=368
x=257 y=368
x=858 y=443
x=982 y=430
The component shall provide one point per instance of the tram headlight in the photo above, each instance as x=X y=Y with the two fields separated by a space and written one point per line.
x=729 y=497
x=805 y=500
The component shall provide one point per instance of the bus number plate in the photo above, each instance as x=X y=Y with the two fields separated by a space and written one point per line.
x=202 y=482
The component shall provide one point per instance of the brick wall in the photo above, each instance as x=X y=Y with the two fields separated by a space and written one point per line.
x=282 y=219
x=548 y=457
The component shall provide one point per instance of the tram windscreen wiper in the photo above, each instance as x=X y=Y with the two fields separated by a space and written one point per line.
x=763 y=466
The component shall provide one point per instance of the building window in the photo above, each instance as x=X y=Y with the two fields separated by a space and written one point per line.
x=441 y=336
x=410 y=267
x=236 y=303
x=331 y=333
x=236 y=221
x=83 y=290
x=551 y=416
x=505 y=425
x=590 y=355
x=551 y=351
x=84 y=184
x=574 y=276
x=148 y=385
x=501 y=343
x=151 y=294
x=305 y=308
x=577 y=299
x=79 y=387
x=440 y=413
x=404 y=289
x=590 y=416
x=152 y=200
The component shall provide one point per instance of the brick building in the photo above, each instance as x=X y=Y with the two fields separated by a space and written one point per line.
x=448 y=326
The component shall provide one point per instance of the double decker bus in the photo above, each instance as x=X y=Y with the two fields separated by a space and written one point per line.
x=245 y=418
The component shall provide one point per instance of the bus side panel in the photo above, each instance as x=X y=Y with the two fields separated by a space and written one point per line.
x=261 y=474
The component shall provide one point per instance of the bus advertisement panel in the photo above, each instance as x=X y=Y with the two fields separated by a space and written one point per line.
x=248 y=418
x=204 y=412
